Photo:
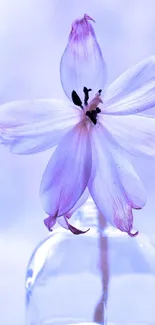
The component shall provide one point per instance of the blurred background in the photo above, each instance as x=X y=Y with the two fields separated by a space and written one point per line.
x=33 y=35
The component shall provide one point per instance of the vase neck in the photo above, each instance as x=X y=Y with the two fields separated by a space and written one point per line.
x=87 y=216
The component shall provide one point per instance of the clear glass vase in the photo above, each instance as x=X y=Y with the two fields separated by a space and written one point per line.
x=74 y=279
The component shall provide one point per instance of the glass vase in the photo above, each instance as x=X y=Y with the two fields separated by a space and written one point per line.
x=100 y=277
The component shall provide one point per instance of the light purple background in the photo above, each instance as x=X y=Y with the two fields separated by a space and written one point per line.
x=33 y=34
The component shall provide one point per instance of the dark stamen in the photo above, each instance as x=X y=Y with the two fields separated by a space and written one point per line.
x=98 y=110
x=100 y=90
x=92 y=115
x=94 y=120
x=76 y=99
x=88 y=113
x=86 y=92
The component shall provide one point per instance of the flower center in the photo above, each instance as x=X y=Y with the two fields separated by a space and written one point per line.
x=91 y=109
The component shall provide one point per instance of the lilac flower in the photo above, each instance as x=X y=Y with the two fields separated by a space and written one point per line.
x=94 y=137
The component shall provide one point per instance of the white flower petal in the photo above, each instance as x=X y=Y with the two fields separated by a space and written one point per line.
x=33 y=126
x=82 y=64
x=114 y=185
x=133 y=91
x=67 y=173
x=135 y=133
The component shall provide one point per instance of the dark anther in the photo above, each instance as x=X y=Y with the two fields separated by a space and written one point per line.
x=92 y=115
x=88 y=113
x=76 y=99
x=86 y=92
x=98 y=110
x=94 y=120
x=100 y=90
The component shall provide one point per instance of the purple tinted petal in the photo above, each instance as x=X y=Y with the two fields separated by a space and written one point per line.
x=65 y=224
x=114 y=185
x=75 y=230
x=82 y=64
x=83 y=198
x=50 y=222
x=32 y=126
x=133 y=234
x=133 y=91
x=67 y=173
